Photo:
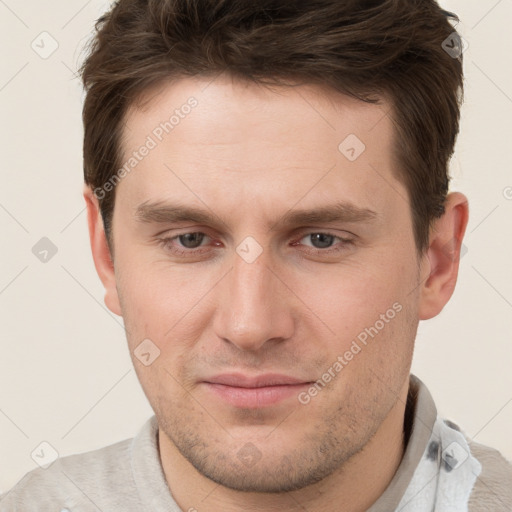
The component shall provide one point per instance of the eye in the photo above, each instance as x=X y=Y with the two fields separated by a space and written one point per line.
x=191 y=240
x=320 y=242
x=199 y=244
x=186 y=244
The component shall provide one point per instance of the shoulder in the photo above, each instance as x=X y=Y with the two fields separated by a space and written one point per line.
x=493 y=487
x=74 y=480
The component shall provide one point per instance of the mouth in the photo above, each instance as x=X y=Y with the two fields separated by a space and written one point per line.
x=255 y=392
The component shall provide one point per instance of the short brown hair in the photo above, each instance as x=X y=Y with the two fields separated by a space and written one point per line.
x=363 y=48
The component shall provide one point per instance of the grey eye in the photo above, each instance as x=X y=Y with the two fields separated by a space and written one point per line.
x=191 y=240
x=321 y=240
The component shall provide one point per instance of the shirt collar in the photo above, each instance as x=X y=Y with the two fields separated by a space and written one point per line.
x=420 y=416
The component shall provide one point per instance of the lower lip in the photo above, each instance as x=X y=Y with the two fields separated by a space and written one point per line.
x=255 y=397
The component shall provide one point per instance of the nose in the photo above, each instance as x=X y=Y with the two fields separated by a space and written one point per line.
x=254 y=306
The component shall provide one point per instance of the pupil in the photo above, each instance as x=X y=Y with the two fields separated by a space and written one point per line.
x=191 y=240
x=321 y=240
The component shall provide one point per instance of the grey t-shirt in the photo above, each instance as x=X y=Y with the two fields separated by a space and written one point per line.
x=128 y=476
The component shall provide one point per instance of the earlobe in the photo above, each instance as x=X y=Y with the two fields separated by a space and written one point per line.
x=441 y=263
x=101 y=252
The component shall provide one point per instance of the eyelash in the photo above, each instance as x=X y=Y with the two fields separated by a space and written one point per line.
x=177 y=251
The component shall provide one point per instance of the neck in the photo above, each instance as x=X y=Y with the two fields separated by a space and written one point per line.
x=352 y=488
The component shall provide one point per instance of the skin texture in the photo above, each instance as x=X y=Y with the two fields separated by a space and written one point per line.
x=248 y=156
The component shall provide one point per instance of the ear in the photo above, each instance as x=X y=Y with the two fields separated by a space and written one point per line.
x=101 y=252
x=441 y=261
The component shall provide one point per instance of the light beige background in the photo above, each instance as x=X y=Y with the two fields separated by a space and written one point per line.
x=65 y=373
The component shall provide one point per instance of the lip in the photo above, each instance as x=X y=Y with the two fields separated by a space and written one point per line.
x=239 y=380
x=254 y=392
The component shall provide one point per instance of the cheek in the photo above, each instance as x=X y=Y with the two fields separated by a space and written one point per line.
x=163 y=304
x=150 y=287
x=173 y=303
x=348 y=298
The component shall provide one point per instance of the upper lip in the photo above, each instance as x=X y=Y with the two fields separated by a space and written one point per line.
x=258 y=381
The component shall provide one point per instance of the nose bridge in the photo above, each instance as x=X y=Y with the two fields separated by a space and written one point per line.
x=252 y=310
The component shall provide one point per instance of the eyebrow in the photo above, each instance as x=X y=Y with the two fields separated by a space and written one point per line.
x=338 y=212
x=160 y=212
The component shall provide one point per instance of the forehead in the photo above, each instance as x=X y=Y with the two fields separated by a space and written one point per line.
x=208 y=136
x=232 y=105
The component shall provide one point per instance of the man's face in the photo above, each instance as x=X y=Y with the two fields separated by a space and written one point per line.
x=261 y=295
